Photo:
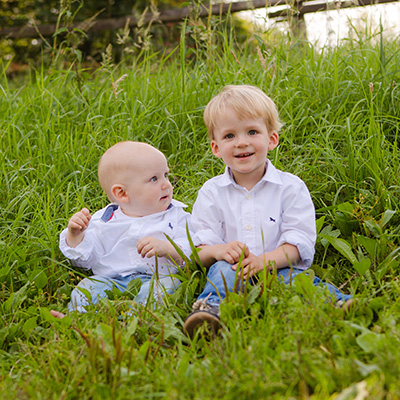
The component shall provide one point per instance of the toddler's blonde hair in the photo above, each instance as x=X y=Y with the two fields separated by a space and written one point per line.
x=247 y=102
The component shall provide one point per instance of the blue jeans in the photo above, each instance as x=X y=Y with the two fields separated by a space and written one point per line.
x=97 y=286
x=215 y=283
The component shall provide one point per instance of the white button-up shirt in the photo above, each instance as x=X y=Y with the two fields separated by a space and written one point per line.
x=109 y=248
x=277 y=210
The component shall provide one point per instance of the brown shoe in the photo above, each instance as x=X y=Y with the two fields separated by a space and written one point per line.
x=207 y=316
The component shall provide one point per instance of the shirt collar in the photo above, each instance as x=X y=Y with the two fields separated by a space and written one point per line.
x=271 y=175
x=120 y=215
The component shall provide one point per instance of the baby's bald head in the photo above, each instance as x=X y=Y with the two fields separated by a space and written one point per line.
x=119 y=162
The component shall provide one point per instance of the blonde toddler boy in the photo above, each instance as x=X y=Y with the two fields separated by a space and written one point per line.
x=252 y=208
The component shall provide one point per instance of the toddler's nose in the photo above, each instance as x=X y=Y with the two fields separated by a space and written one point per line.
x=242 y=141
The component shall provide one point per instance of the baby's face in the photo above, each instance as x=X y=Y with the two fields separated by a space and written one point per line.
x=148 y=187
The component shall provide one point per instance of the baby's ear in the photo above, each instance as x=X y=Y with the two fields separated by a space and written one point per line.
x=119 y=193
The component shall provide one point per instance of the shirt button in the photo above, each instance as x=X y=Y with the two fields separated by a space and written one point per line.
x=248 y=197
x=248 y=227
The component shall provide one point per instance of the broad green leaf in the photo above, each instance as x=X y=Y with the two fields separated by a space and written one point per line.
x=78 y=54
x=370 y=341
x=367 y=369
x=39 y=278
x=16 y=299
x=362 y=266
x=79 y=31
x=61 y=30
x=377 y=304
x=342 y=247
x=373 y=227
x=370 y=245
x=132 y=326
x=29 y=325
x=320 y=223
x=346 y=207
x=104 y=332
x=328 y=230
x=304 y=285
x=253 y=293
x=386 y=217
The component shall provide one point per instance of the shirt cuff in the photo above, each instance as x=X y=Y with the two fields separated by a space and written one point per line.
x=81 y=252
x=305 y=249
x=206 y=237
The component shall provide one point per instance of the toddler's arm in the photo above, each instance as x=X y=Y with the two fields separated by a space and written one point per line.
x=283 y=256
x=77 y=226
x=229 y=252
x=149 y=246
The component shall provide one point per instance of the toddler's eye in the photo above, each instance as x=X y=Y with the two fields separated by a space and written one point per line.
x=166 y=175
x=252 y=132
x=229 y=136
x=153 y=179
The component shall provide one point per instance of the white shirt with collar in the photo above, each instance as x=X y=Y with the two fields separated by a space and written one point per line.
x=277 y=210
x=109 y=245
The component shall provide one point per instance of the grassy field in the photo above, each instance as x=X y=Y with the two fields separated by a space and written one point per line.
x=341 y=114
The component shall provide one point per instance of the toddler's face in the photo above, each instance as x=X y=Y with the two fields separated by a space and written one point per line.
x=243 y=144
x=149 y=189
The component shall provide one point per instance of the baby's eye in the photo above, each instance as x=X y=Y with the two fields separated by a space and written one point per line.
x=153 y=179
x=229 y=136
x=166 y=175
x=252 y=132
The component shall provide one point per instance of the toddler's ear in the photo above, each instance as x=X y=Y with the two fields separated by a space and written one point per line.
x=273 y=141
x=215 y=149
x=119 y=193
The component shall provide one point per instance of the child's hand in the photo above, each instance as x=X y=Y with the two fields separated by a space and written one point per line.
x=149 y=246
x=283 y=256
x=250 y=265
x=79 y=222
x=77 y=226
x=231 y=252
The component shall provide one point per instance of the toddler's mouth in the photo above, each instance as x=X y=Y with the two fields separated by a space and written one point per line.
x=244 y=155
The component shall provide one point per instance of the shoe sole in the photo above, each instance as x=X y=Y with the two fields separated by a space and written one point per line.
x=199 y=318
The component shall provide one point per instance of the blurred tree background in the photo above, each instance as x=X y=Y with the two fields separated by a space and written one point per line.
x=92 y=45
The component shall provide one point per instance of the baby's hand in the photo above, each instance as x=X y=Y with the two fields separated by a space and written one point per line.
x=231 y=252
x=79 y=222
x=149 y=246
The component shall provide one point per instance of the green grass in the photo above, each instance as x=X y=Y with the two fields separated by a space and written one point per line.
x=340 y=135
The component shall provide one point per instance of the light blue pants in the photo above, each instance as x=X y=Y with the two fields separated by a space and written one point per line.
x=97 y=286
x=215 y=283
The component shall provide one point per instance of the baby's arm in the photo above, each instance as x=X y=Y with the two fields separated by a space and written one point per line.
x=229 y=252
x=283 y=256
x=149 y=246
x=77 y=226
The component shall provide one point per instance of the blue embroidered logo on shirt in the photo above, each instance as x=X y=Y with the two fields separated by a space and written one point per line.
x=170 y=225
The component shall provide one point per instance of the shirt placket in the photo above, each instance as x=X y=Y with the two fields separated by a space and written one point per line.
x=248 y=219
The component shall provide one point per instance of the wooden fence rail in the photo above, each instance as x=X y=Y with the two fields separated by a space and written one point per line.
x=295 y=7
